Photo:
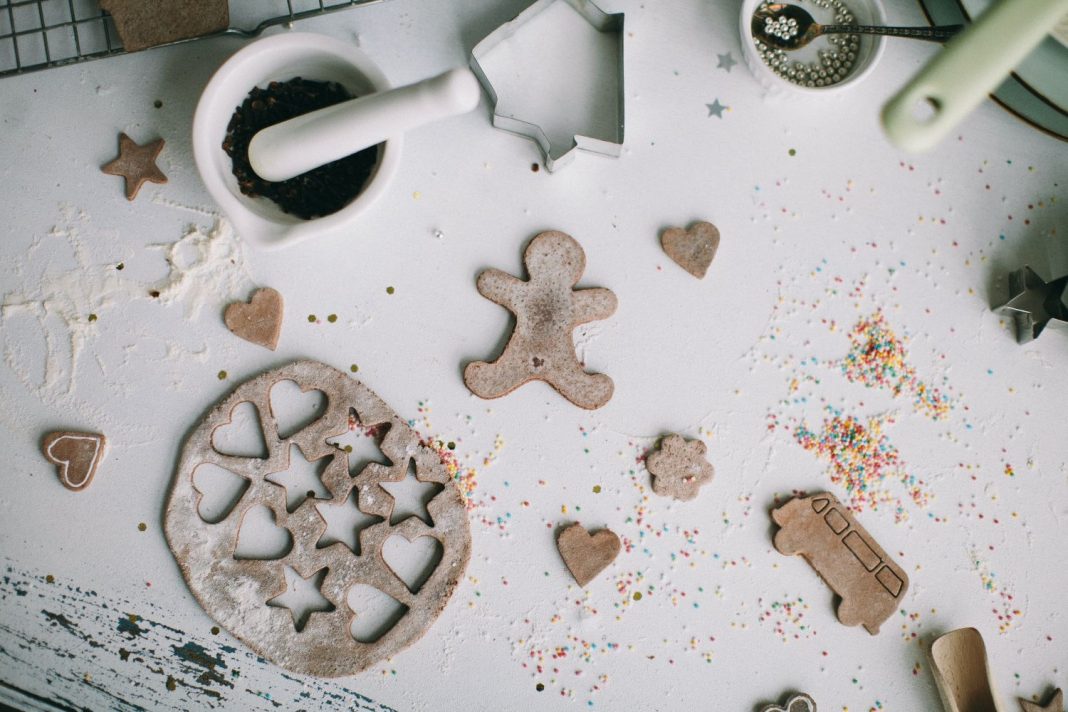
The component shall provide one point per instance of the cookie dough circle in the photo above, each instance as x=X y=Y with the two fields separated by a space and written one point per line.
x=235 y=591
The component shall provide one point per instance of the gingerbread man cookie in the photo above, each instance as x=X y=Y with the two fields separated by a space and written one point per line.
x=547 y=309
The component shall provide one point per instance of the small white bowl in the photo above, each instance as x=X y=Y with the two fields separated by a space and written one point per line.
x=280 y=58
x=866 y=12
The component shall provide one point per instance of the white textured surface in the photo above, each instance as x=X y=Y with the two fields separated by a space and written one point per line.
x=811 y=242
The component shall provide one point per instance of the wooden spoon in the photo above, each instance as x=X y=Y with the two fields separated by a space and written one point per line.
x=962 y=672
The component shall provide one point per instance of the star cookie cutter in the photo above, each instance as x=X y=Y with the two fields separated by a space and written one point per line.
x=1035 y=303
x=556 y=156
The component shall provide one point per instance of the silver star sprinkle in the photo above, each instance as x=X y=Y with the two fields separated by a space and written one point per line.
x=716 y=109
x=726 y=61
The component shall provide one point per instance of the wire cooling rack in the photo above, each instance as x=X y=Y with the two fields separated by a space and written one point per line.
x=40 y=34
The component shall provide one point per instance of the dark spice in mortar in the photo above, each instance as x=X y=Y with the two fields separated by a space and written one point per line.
x=318 y=192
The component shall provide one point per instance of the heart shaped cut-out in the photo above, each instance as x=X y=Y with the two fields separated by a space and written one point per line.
x=374 y=613
x=796 y=703
x=692 y=249
x=220 y=491
x=75 y=455
x=295 y=409
x=412 y=561
x=259 y=537
x=259 y=320
x=587 y=555
x=242 y=436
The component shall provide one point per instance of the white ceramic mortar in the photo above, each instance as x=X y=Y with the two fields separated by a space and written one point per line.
x=280 y=58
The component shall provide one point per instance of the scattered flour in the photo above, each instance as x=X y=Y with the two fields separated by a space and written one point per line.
x=63 y=302
x=206 y=268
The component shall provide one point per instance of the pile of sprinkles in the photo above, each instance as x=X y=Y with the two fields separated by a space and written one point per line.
x=464 y=475
x=878 y=359
x=861 y=459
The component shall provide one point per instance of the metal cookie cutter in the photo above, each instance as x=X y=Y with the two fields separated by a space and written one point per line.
x=557 y=155
x=1034 y=303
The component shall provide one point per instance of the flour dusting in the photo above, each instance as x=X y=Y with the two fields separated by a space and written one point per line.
x=206 y=268
x=63 y=292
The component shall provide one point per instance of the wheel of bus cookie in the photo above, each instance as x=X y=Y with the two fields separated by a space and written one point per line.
x=256 y=544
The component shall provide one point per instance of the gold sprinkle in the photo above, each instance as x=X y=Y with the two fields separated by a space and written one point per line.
x=50 y=578
x=142 y=527
x=597 y=489
x=390 y=290
x=222 y=375
x=637 y=596
x=311 y=318
x=215 y=630
x=92 y=317
x=332 y=318
x=354 y=368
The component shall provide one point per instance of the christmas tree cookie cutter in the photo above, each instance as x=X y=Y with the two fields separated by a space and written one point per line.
x=556 y=154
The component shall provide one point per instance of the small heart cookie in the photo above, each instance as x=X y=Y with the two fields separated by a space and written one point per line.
x=584 y=554
x=797 y=703
x=692 y=249
x=258 y=321
x=75 y=455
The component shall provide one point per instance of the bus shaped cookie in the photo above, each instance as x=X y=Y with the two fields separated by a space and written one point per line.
x=822 y=530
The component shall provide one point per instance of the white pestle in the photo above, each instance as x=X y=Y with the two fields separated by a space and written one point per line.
x=305 y=142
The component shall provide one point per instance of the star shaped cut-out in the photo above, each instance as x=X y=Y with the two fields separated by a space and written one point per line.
x=303 y=596
x=726 y=61
x=137 y=164
x=344 y=522
x=1034 y=303
x=303 y=479
x=411 y=497
x=1055 y=704
x=361 y=443
x=716 y=109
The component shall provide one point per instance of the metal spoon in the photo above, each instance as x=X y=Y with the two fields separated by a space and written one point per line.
x=790 y=27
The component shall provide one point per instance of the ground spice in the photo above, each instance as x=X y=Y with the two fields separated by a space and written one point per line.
x=318 y=192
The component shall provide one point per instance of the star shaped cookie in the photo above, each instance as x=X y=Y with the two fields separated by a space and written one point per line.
x=136 y=164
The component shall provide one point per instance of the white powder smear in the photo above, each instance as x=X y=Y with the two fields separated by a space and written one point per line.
x=205 y=267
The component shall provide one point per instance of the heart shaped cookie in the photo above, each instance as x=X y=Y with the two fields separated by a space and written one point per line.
x=584 y=554
x=797 y=703
x=692 y=249
x=258 y=321
x=75 y=455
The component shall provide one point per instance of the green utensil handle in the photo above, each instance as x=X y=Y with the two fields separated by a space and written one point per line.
x=971 y=66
